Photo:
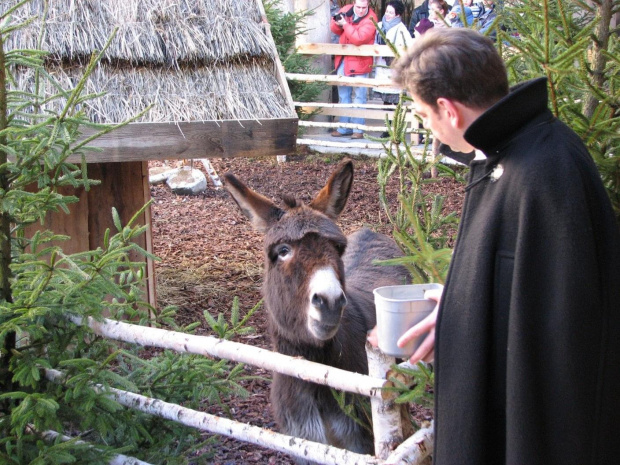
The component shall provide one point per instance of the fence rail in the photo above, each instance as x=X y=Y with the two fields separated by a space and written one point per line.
x=371 y=111
x=386 y=414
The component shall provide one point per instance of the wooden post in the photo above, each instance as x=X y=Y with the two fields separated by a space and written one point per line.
x=386 y=417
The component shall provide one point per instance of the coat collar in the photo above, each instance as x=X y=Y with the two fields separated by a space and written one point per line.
x=526 y=103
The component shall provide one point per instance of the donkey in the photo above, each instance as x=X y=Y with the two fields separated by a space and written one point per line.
x=318 y=292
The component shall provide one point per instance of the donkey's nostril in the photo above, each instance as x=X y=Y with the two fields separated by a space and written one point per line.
x=318 y=301
x=324 y=304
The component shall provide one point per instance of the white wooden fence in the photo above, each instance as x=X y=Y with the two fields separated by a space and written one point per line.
x=373 y=112
x=386 y=414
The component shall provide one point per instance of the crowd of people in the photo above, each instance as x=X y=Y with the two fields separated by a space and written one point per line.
x=355 y=24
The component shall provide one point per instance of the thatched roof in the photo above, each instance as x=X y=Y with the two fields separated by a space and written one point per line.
x=196 y=60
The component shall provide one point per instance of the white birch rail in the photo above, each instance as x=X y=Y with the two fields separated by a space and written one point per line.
x=413 y=449
x=298 y=447
x=212 y=173
x=334 y=80
x=206 y=345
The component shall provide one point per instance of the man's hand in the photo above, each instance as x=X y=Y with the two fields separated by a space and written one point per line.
x=426 y=351
x=342 y=21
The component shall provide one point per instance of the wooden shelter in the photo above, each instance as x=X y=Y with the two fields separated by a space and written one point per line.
x=209 y=68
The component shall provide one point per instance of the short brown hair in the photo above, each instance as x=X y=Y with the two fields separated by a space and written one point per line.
x=458 y=64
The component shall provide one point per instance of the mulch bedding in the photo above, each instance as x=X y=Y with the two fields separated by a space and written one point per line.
x=210 y=254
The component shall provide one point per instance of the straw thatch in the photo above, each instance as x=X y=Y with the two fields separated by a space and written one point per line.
x=196 y=60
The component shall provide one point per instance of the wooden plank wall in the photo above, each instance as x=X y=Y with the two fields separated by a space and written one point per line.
x=124 y=186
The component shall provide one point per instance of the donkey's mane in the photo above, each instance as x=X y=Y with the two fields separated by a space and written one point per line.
x=290 y=201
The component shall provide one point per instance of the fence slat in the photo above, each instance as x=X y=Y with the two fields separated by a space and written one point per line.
x=346 y=49
x=335 y=80
x=363 y=127
x=298 y=447
x=206 y=345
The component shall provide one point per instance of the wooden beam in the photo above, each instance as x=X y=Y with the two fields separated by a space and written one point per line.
x=208 y=139
x=335 y=80
x=373 y=106
x=334 y=125
x=347 y=49
x=357 y=113
x=349 y=145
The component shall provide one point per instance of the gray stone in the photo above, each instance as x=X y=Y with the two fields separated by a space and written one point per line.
x=187 y=181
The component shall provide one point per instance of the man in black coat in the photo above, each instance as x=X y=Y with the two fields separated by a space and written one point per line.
x=526 y=336
x=418 y=15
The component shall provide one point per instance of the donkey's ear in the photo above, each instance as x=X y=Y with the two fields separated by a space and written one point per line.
x=333 y=197
x=261 y=211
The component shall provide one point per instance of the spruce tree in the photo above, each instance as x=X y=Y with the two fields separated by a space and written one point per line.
x=43 y=422
x=573 y=44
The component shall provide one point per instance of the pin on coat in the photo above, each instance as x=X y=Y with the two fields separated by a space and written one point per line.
x=318 y=293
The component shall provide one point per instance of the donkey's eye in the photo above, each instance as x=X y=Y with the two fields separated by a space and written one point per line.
x=282 y=252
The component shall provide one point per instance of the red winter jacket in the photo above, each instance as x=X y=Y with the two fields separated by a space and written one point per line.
x=360 y=32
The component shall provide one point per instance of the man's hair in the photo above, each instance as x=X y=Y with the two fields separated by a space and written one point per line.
x=399 y=7
x=458 y=64
x=442 y=4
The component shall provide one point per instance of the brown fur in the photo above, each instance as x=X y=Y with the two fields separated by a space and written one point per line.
x=300 y=240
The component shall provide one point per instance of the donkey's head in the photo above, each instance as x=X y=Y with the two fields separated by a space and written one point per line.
x=304 y=275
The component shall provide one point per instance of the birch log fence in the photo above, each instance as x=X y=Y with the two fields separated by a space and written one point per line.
x=370 y=111
x=386 y=418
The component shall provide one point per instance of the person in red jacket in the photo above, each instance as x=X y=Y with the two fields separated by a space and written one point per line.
x=354 y=24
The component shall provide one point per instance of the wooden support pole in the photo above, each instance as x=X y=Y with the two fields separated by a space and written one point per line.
x=386 y=417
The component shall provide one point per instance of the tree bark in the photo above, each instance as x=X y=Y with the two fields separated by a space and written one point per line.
x=597 y=58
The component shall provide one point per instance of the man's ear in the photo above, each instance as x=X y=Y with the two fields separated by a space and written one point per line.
x=451 y=110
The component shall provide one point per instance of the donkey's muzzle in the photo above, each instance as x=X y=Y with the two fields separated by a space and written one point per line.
x=326 y=314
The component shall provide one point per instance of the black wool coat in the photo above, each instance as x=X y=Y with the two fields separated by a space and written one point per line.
x=528 y=332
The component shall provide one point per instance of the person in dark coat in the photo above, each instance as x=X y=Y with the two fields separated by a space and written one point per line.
x=526 y=335
x=419 y=13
